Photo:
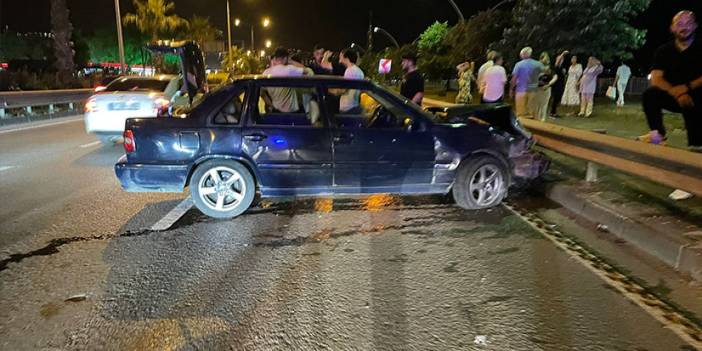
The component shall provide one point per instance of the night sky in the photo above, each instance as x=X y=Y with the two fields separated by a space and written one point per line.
x=302 y=23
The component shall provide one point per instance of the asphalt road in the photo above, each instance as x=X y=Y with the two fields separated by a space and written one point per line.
x=81 y=270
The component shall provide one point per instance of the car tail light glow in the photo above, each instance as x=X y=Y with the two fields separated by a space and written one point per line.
x=100 y=88
x=129 y=144
x=91 y=105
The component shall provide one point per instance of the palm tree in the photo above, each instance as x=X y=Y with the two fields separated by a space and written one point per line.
x=152 y=17
x=201 y=30
x=62 y=30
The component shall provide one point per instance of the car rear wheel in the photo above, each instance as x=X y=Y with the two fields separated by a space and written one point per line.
x=222 y=189
x=481 y=183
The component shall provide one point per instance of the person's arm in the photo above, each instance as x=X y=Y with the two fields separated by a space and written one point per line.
x=326 y=64
x=695 y=84
x=553 y=81
x=418 y=97
x=512 y=85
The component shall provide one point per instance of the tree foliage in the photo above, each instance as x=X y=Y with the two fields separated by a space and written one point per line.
x=470 y=40
x=201 y=30
x=152 y=17
x=432 y=38
x=435 y=62
x=238 y=61
x=103 y=47
x=62 y=30
x=597 y=27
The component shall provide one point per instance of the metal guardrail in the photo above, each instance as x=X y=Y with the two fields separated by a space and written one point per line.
x=29 y=101
x=676 y=168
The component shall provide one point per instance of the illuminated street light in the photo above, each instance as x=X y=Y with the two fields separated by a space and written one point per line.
x=248 y=52
x=263 y=53
x=268 y=44
x=394 y=41
x=265 y=22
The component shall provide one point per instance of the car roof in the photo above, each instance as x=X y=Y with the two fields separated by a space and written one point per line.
x=315 y=78
x=162 y=77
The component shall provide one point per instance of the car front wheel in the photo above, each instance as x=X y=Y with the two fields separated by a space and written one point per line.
x=222 y=189
x=481 y=183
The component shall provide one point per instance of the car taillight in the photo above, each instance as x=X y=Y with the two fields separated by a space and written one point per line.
x=91 y=105
x=129 y=144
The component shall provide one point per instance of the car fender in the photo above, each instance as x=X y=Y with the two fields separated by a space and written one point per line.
x=249 y=164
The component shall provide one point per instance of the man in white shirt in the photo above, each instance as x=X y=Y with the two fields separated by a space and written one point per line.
x=283 y=99
x=622 y=80
x=350 y=99
x=494 y=80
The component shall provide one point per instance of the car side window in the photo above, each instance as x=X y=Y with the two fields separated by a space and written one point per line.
x=288 y=106
x=373 y=112
x=230 y=114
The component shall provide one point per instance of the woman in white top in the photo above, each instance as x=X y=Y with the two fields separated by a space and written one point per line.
x=571 y=96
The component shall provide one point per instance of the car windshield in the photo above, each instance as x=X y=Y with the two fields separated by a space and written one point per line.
x=136 y=84
x=409 y=103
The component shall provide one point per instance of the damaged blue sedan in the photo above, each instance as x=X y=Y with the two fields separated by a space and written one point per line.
x=291 y=137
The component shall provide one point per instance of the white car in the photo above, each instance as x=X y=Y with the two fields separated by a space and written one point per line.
x=128 y=97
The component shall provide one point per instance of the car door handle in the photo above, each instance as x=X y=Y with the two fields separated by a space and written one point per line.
x=343 y=138
x=255 y=137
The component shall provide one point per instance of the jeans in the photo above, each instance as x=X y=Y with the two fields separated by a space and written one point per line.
x=656 y=100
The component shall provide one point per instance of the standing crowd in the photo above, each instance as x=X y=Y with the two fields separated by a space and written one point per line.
x=540 y=87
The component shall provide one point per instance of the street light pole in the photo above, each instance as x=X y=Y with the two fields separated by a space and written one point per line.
x=120 y=40
x=229 y=27
x=461 y=18
x=394 y=41
x=253 y=46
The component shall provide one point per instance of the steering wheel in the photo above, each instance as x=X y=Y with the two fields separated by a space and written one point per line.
x=379 y=115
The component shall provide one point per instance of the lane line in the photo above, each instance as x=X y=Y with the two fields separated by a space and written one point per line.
x=5 y=168
x=94 y=143
x=67 y=120
x=173 y=216
x=660 y=310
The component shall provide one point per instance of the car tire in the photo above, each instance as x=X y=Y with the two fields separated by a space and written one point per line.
x=481 y=182
x=222 y=188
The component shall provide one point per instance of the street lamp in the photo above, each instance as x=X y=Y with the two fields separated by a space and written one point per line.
x=461 y=18
x=263 y=53
x=394 y=41
x=356 y=46
x=266 y=22
x=269 y=44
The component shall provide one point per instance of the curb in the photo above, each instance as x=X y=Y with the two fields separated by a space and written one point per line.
x=679 y=253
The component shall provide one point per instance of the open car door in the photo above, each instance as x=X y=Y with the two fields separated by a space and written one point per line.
x=192 y=64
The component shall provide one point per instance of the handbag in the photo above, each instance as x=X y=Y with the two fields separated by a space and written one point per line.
x=612 y=92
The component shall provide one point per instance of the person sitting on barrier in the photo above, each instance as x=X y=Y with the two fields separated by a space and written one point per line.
x=676 y=83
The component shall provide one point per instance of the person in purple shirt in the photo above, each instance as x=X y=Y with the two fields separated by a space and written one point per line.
x=588 y=86
x=525 y=82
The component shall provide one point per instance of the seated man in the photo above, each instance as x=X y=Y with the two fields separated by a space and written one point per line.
x=676 y=83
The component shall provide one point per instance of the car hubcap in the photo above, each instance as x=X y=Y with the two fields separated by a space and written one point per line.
x=222 y=188
x=486 y=185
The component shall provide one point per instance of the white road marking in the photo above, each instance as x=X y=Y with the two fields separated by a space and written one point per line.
x=169 y=219
x=63 y=121
x=94 y=143
x=5 y=168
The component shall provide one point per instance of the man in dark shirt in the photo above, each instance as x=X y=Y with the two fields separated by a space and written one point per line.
x=676 y=83
x=558 y=88
x=413 y=82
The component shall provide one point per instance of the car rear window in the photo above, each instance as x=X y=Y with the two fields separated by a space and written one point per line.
x=127 y=84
